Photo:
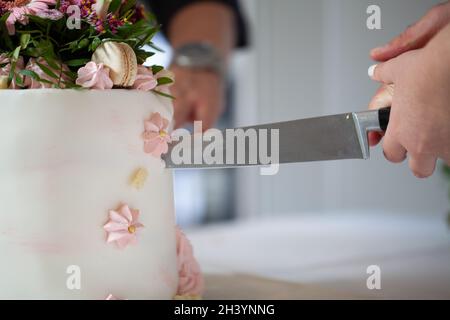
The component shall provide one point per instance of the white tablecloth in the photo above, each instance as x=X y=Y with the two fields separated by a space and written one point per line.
x=326 y=255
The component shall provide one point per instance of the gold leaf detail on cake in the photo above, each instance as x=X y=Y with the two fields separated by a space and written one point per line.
x=138 y=178
x=187 y=297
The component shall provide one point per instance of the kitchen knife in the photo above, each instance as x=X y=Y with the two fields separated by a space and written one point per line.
x=335 y=137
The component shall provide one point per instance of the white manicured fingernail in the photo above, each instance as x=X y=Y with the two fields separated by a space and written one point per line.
x=371 y=70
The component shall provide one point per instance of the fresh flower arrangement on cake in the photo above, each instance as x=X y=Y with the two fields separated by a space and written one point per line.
x=93 y=44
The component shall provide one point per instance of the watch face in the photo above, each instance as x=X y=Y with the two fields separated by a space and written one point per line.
x=199 y=55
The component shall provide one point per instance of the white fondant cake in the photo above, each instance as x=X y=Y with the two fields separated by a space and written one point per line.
x=66 y=160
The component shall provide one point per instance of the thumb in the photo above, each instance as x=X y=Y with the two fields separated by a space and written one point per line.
x=415 y=36
x=383 y=72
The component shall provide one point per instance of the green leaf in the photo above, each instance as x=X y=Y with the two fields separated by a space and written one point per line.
x=153 y=46
x=18 y=79
x=83 y=43
x=52 y=62
x=164 y=80
x=94 y=44
x=164 y=94
x=127 y=6
x=47 y=71
x=16 y=53
x=73 y=45
x=114 y=6
x=70 y=74
x=156 y=69
x=4 y=31
x=77 y=62
x=34 y=75
x=446 y=170
x=24 y=40
x=142 y=55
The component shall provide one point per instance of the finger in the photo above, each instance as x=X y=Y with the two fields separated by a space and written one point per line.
x=415 y=36
x=382 y=98
x=383 y=72
x=393 y=150
x=422 y=166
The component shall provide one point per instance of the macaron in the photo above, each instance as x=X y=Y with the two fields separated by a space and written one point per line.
x=120 y=58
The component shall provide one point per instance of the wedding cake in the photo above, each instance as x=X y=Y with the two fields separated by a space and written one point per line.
x=87 y=204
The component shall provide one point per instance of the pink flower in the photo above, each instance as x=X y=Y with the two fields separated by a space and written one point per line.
x=7 y=68
x=20 y=10
x=50 y=14
x=190 y=281
x=31 y=83
x=145 y=80
x=95 y=76
x=122 y=226
x=156 y=138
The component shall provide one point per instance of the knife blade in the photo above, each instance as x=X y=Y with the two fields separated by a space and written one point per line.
x=334 y=137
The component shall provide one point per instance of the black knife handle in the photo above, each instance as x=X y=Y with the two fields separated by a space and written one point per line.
x=383 y=117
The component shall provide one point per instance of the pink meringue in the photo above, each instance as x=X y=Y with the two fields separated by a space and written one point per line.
x=95 y=76
x=156 y=138
x=145 y=80
x=122 y=226
x=191 y=282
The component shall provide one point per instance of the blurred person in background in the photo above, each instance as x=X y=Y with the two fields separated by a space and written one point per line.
x=415 y=71
x=203 y=34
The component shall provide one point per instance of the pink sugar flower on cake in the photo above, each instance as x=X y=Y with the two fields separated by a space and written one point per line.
x=122 y=226
x=156 y=138
x=94 y=76
x=191 y=282
x=145 y=80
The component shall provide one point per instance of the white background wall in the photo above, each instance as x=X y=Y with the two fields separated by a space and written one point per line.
x=310 y=58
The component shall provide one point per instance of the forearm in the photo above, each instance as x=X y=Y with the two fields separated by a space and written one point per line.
x=211 y=23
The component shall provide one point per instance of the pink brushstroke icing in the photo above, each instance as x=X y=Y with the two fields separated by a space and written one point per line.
x=191 y=281
x=43 y=247
x=156 y=138
x=122 y=226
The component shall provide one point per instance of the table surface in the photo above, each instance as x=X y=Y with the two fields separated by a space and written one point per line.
x=326 y=256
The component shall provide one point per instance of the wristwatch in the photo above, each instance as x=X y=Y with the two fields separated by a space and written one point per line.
x=202 y=56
